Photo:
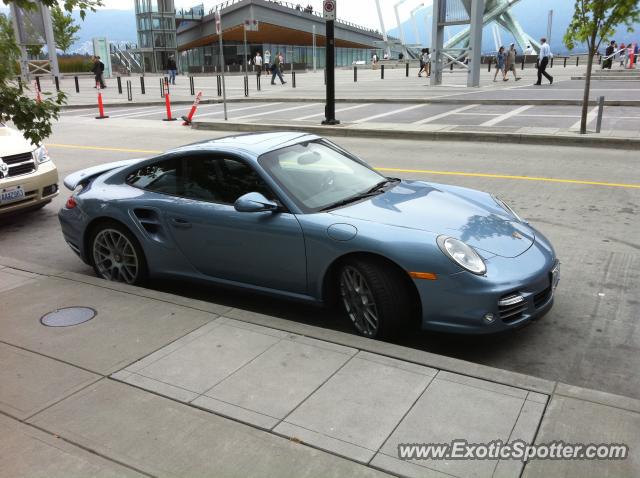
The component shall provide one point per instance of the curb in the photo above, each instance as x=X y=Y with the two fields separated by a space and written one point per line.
x=492 y=137
x=421 y=100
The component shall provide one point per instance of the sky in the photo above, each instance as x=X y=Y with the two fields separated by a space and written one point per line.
x=361 y=12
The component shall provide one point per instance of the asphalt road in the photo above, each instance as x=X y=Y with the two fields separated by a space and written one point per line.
x=585 y=200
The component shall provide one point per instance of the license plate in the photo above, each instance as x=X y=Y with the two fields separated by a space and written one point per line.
x=14 y=193
x=555 y=276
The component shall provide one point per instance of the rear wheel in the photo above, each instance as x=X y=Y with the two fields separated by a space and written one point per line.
x=116 y=254
x=375 y=298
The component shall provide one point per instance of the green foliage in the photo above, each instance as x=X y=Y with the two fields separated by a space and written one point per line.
x=31 y=117
x=64 y=29
x=596 y=20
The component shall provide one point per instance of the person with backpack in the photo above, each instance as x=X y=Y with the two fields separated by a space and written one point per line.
x=276 y=69
x=98 y=72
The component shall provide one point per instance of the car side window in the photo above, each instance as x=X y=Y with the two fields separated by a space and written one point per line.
x=163 y=177
x=221 y=179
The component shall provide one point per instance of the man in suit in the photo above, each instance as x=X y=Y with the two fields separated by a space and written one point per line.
x=543 y=60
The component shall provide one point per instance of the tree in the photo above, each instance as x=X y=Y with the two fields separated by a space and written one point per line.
x=593 y=22
x=31 y=117
x=64 y=29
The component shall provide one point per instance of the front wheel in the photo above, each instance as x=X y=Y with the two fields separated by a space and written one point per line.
x=116 y=254
x=375 y=298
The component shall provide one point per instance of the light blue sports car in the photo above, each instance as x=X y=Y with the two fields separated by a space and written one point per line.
x=296 y=215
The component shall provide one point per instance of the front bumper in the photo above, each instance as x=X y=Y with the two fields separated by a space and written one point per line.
x=40 y=186
x=460 y=302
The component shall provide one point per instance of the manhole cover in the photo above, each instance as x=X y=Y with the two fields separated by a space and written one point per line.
x=68 y=316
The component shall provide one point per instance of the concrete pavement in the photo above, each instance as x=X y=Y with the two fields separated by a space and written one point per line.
x=167 y=386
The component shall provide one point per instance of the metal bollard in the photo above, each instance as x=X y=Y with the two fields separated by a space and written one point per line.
x=382 y=72
x=407 y=70
x=489 y=69
x=77 y=84
x=219 y=85
x=246 y=86
x=600 y=109
x=142 y=84
x=129 y=91
x=523 y=58
x=119 y=85
x=355 y=74
x=451 y=66
x=551 y=65
x=577 y=60
x=565 y=61
x=161 y=88
x=38 y=83
x=258 y=82
x=293 y=79
x=57 y=83
x=192 y=85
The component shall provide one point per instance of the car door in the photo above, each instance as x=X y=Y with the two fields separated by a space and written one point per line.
x=264 y=249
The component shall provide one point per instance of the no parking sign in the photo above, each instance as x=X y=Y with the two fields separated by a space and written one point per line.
x=329 y=9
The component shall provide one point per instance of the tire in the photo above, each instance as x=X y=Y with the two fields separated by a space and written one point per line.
x=375 y=298
x=116 y=255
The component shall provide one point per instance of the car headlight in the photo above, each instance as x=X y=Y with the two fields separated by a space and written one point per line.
x=463 y=255
x=507 y=208
x=41 y=155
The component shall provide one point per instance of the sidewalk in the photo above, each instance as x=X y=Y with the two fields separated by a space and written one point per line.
x=160 y=385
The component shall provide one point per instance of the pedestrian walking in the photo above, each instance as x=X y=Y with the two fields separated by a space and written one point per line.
x=608 y=53
x=511 y=62
x=623 y=55
x=267 y=60
x=276 y=69
x=172 y=69
x=98 y=72
x=257 y=61
x=423 y=61
x=543 y=60
x=501 y=58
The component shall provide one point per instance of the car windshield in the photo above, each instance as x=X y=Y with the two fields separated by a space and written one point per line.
x=318 y=175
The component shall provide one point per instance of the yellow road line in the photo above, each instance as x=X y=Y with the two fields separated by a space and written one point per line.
x=101 y=148
x=395 y=170
x=507 y=176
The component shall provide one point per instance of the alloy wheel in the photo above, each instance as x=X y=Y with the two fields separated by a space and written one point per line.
x=358 y=301
x=115 y=257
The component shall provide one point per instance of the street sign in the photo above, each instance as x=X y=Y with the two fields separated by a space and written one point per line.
x=218 y=23
x=251 y=25
x=329 y=9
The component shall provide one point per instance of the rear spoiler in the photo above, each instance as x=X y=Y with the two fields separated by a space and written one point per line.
x=74 y=179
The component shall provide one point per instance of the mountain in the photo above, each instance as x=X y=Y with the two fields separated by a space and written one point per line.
x=117 y=25
x=532 y=15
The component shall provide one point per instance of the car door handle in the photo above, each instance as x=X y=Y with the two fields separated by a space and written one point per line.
x=181 y=223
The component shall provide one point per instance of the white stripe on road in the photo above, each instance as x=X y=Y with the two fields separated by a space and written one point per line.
x=237 y=109
x=389 y=113
x=279 y=111
x=430 y=119
x=337 y=111
x=590 y=117
x=133 y=109
x=506 y=116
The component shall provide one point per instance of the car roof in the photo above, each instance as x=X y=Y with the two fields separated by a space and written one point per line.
x=253 y=143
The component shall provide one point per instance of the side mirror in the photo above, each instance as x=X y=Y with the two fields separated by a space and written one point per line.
x=254 y=202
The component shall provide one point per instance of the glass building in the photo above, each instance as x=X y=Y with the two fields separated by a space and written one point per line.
x=156 y=25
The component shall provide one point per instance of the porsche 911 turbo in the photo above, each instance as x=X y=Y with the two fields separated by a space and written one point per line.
x=295 y=215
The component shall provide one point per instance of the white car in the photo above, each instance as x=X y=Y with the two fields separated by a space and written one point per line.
x=28 y=177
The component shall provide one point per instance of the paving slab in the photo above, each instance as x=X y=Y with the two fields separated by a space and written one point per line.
x=31 y=382
x=126 y=328
x=31 y=453
x=574 y=420
x=277 y=381
x=166 y=438
x=456 y=407
x=12 y=278
x=200 y=364
x=356 y=410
